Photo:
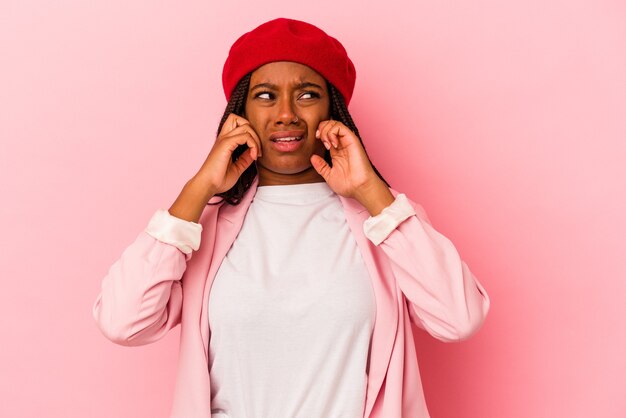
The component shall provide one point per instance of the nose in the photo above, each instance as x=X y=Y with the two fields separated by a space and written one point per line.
x=286 y=112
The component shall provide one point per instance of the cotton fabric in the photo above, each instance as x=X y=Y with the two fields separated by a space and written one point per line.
x=291 y=311
x=419 y=280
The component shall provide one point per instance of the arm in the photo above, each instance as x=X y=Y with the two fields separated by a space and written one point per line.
x=141 y=295
x=443 y=296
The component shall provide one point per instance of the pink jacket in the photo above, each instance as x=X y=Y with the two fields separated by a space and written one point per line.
x=417 y=274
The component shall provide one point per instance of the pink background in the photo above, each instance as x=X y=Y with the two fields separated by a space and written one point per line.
x=507 y=122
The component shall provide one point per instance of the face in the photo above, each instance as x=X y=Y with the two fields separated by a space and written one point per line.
x=279 y=93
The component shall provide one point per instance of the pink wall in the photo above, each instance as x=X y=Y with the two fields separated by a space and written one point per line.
x=506 y=121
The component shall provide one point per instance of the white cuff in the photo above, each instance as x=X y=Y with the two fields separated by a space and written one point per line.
x=185 y=235
x=378 y=227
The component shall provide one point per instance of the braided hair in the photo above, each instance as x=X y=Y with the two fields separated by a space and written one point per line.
x=236 y=105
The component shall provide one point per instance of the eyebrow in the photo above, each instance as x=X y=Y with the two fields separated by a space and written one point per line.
x=271 y=86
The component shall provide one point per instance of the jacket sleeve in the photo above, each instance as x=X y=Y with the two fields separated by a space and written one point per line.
x=141 y=295
x=443 y=296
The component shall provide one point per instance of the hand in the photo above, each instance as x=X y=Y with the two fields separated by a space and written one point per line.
x=219 y=173
x=352 y=174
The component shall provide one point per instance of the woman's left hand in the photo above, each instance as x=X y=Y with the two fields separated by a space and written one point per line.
x=352 y=174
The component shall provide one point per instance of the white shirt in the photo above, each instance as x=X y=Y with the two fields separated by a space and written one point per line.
x=285 y=339
x=291 y=311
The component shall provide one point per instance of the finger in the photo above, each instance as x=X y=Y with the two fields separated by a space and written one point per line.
x=247 y=128
x=321 y=166
x=333 y=133
x=318 y=136
x=244 y=138
x=236 y=120
x=320 y=127
x=328 y=128
x=326 y=144
x=244 y=161
x=239 y=121
x=232 y=121
x=320 y=133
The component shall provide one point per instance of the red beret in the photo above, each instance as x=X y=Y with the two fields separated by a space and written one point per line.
x=285 y=39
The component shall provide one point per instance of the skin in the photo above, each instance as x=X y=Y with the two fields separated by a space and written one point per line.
x=274 y=109
x=271 y=109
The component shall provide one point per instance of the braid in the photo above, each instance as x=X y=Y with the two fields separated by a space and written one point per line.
x=236 y=105
x=339 y=111
x=237 y=99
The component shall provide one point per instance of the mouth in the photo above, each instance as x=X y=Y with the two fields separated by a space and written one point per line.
x=289 y=139
x=288 y=143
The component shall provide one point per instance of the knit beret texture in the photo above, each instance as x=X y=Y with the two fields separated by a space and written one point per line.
x=285 y=39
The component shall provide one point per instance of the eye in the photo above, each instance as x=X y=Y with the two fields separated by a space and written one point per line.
x=311 y=93
x=262 y=92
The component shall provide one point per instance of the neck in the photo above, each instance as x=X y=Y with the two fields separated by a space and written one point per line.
x=271 y=178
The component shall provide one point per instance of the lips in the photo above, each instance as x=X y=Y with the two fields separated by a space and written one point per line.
x=286 y=136
x=287 y=141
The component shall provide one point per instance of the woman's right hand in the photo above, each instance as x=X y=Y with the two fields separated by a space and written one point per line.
x=218 y=172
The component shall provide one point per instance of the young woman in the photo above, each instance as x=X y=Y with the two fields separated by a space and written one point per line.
x=300 y=300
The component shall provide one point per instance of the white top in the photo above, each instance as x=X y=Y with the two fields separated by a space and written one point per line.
x=291 y=311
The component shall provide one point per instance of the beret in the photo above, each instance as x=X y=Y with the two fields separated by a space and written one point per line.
x=285 y=39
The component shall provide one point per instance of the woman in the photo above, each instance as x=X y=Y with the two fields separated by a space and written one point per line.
x=299 y=302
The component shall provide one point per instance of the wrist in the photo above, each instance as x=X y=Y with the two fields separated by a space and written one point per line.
x=191 y=201
x=201 y=187
x=374 y=196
